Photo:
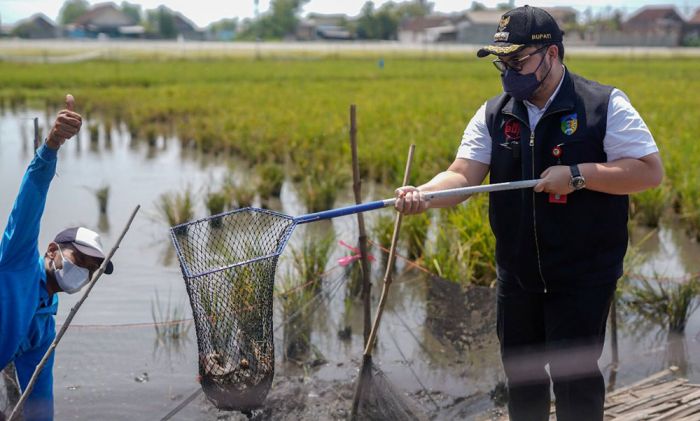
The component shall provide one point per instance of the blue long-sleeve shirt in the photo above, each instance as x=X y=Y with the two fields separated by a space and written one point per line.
x=27 y=325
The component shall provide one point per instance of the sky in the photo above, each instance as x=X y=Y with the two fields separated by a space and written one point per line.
x=203 y=12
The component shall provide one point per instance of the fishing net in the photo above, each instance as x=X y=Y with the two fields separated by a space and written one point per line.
x=228 y=263
x=379 y=400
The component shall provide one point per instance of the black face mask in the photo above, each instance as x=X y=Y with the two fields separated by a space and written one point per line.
x=522 y=87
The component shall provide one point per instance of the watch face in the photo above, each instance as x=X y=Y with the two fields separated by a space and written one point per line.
x=578 y=183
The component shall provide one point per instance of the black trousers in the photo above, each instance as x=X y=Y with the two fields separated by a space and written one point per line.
x=565 y=330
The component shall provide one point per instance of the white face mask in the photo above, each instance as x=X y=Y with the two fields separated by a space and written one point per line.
x=71 y=277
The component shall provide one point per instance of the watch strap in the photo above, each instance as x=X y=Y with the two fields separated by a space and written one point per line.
x=575 y=171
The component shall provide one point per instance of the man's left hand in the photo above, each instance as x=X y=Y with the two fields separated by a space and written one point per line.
x=555 y=180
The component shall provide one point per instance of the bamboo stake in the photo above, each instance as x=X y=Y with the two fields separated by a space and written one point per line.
x=362 y=240
x=369 y=345
x=365 y=370
x=74 y=310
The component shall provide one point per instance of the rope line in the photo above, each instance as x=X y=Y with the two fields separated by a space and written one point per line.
x=410 y=367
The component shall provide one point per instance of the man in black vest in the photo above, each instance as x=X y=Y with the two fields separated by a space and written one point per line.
x=560 y=246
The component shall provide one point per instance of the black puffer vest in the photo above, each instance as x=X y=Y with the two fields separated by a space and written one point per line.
x=542 y=244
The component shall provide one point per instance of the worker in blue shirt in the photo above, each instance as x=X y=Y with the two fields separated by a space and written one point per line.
x=29 y=281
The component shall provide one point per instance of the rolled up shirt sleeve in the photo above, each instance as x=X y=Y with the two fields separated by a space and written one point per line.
x=627 y=135
x=476 y=140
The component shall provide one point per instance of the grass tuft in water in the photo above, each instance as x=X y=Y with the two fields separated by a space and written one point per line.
x=176 y=208
x=94 y=132
x=310 y=260
x=415 y=228
x=297 y=316
x=666 y=303
x=648 y=206
x=216 y=203
x=168 y=319
x=465 y=247
x=102 y=196
x=271 y=180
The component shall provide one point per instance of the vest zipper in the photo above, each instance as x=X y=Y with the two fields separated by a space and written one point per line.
x=534 y=211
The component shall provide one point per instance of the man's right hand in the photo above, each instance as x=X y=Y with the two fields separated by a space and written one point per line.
x=66 y=126
x=410 y=200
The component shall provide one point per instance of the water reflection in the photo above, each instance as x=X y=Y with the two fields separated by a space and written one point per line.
x=170 y=348
x=677 y=354
x=103 y=223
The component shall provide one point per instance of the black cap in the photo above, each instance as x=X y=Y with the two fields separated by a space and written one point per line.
x=86 y=241
x=521 y=27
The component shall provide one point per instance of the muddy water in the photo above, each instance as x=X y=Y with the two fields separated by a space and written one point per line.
x=434 y=335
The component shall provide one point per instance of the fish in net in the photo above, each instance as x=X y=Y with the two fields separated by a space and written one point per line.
x=228 y=262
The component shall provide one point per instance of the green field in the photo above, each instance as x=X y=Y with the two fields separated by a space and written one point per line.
x=295 y=111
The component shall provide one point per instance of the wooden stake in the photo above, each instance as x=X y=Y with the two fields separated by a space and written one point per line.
x=362 y=240
x=369 y=344
x=74 y=310
x=366 y=368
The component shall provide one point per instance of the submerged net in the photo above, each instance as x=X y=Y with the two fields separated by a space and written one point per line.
x=379 y=400
x=228 y=262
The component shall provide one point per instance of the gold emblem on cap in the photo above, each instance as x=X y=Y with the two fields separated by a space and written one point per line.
x=498 y=50
x=503 y=23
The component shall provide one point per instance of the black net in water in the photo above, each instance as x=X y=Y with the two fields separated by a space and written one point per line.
x=228 y=262
x=379 y=400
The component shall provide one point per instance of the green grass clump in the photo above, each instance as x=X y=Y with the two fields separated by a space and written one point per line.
x=465 y=248
x=271 y=180
x=169 y=319
x=176 y=208
x=648 y=206
x=415 y=230
x=310 y=260
x=667 y=303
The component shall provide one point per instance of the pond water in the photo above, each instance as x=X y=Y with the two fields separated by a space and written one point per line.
x=434 y=335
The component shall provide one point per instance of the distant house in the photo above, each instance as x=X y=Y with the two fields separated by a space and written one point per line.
x=472 y=27
x=428 y=29
x=38 y=26
x=107 y=19
x=654 y=26
x=323 y=27
x=186 y=29
x=478 y=27
x=691 y=31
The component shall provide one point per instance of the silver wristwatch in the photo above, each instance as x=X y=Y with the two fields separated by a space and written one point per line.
x=577 y=182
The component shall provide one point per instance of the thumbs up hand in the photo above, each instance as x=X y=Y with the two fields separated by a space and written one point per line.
x=67 y=124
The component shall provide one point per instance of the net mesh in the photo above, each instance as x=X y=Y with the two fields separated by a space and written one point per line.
x=228 y=262
x=379 y=400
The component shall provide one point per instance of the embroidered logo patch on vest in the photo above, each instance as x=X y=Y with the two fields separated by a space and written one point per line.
x=569 y=124
x=512 y=130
